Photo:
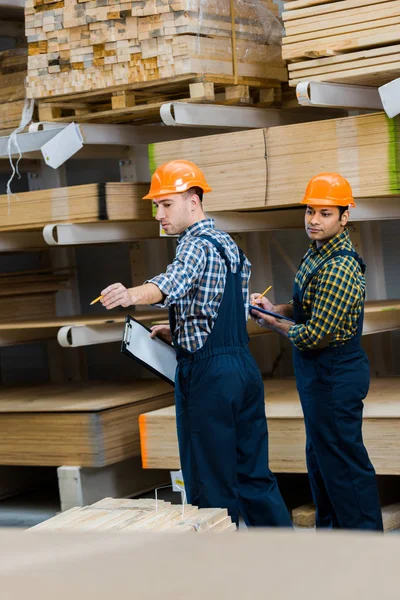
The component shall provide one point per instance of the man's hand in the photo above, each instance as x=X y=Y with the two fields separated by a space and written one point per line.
x=262 y=302
x=163 y=332
x=116 y=295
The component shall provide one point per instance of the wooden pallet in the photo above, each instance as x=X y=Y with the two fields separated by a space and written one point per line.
x=142 y=102
x=304 y=516
x=141 y=515
x=346 y=41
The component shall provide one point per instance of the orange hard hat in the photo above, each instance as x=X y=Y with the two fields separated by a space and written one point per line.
x=328 y=189
x=176 y=177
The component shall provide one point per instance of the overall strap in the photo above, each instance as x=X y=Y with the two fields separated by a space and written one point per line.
x=336 y=254
x=219 y=247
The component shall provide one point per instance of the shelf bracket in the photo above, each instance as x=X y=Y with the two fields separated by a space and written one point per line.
x=336 y=95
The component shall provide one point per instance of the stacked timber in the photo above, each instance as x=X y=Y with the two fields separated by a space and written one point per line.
x=345 y=41
x=30 y=294
x=304 y=517
x=82 y=46
x=75 y=204
x=279 y=161
x=13 y=67
x=286 y=429
x=90 y=425
x=142 y=515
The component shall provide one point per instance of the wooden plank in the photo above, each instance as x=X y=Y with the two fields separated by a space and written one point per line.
x=323 y=8
x=304 y=516
x=139 y=517
x=75 y=204
x=286 y=429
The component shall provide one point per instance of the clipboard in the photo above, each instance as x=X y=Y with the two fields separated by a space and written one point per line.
x=271 y=314
x=154 y=354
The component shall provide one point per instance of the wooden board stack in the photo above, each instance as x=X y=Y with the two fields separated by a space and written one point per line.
x=146 y=515
x=286 y=429
x=13 y=67
x=304 y=517
x=78 y=46
x=91 y=425
x=30 y=294
x=279 y=161
x=344 y=41
x=75 y=204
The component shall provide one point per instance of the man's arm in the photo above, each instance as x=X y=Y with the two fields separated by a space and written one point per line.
x=180 y=276
x=118 y=295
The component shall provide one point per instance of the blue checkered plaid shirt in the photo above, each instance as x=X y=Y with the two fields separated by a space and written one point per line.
x=195 y=281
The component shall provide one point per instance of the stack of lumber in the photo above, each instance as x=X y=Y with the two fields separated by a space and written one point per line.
x=286 y=429
x=271 y=168
x=90 y=425
x=345 y=41
x=13 y=66
x=81 y=46
x=304 y=516
x=30 y=294
x=112 y=514
x=75 y=204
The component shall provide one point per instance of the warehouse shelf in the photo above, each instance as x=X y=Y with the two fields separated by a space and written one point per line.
x=336 y=95
x=362 y=97
x=15 y=241
x=286 y=429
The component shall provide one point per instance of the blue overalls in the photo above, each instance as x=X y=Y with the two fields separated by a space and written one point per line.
x=220 y=414
x=332 y=383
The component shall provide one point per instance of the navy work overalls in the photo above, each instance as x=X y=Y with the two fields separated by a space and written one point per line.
x=220 y=414
x=332 y=383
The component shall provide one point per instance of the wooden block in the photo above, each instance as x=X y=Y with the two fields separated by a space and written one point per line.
x=239 y=94
x=48 y=112
x=202 y=91
x=304 y=516
x=122 y=100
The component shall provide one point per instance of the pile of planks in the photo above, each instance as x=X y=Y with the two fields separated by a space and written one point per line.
x=75 y=204
x=80 y=46
x=304 y=517
x=270 y=168
x=30 y=294
x=92 y=424
x=286 y=429
x=13 y=67
x=112 y=514
x=344 y=41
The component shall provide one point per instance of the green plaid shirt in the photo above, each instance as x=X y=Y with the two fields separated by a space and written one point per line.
x=333 y=299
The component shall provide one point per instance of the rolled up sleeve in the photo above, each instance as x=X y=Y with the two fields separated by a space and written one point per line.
x=186 y=269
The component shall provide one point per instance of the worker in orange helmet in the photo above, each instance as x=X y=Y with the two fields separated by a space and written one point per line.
x=220 y=410
x=331 y=368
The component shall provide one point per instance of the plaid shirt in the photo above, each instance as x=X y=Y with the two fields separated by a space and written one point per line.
x=333 y=299
x=195 y=281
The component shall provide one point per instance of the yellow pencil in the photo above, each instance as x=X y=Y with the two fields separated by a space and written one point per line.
x=96 y=300
x=266 y=291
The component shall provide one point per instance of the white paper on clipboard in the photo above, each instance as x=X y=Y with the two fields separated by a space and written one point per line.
x=154 y=354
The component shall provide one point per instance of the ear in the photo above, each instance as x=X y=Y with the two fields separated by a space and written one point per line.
x=345 y=218
x=194 y=201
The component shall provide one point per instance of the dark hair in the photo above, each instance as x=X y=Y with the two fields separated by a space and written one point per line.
x=195 y=190
x=342 y=209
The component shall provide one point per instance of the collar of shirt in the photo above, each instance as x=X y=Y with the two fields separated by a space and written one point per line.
x=335 y=243
x=197 y=229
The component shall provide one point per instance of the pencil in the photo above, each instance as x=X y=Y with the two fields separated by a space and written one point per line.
x=265 y=292
x=96 y=300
